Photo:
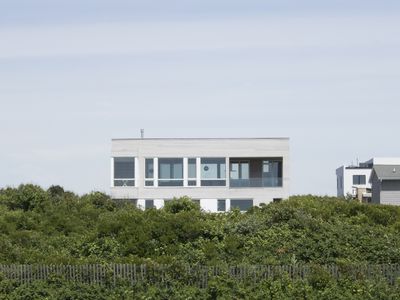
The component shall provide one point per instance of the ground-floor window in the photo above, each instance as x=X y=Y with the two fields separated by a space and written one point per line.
x=221 y=205
x=242 y=204
x=125 y=201
x=149 y=203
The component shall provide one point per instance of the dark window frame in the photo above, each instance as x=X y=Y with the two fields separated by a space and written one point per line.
x=220 y=205
x=149 y=203
x=124 y=176
x=359 y=179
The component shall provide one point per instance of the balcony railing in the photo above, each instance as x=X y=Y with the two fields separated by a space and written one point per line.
x=256 y=182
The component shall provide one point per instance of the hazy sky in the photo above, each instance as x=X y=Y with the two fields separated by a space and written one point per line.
x=74 y=74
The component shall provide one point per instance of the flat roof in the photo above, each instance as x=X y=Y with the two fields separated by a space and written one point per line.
x=236 y=138
x=358 y=168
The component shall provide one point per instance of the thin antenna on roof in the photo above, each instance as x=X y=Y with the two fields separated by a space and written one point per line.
x=142 y=133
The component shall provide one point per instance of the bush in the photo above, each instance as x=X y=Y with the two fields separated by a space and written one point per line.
x=25 y=197
x=179 y=205
x=57 y=226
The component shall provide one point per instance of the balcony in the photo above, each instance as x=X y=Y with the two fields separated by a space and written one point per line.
x=255 y=182
x=255 y=172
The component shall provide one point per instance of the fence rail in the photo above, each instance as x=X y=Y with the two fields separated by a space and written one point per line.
x=112 y=274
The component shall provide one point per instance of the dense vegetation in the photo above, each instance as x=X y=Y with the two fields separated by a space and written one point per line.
x=58 y=227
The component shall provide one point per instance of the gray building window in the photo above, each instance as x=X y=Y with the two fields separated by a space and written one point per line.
x=221 y=205
x=242 y=204
x=149 y=204
x=359 y=179
x=170 y=171
x=213 y=172
x=124 y=171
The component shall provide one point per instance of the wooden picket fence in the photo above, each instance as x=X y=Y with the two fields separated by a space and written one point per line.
x=113 y=274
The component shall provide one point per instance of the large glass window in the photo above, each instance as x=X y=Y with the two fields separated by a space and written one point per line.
x=149 y=172
x=272 y=173
x=242 y=204
x=255 y=172
x=213 y=172
x=170 y=171
x=359 y=179
x=240 y=174
x=124 y=171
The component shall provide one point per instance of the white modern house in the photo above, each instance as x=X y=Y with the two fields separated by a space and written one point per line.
x=367 y=180
x=353 y=181
x=219 y=173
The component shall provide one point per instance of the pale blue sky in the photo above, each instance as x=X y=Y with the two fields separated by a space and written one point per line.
x=74 y=74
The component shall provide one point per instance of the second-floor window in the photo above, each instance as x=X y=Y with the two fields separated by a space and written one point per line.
x=149 y=172
x=170 y=172
x=124 y=171
x=359 y=179
x=213 y=172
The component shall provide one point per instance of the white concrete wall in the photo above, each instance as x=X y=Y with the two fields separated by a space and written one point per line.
x=196 y=148
x=210 y=205
x=158 y=203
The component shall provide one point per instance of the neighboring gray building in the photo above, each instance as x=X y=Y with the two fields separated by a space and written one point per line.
x=385 y=180
x=218 y=173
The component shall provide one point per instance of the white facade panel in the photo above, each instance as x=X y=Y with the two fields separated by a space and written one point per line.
x=140 y=203
x=158 y=203
x=209 y=205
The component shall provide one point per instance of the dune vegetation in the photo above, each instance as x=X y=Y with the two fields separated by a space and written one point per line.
x=56 y=227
